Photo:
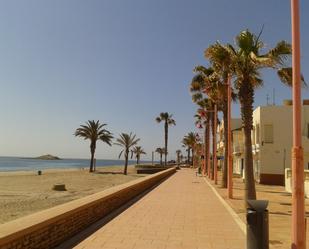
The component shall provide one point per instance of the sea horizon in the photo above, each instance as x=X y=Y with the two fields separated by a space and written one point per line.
x=13 y=163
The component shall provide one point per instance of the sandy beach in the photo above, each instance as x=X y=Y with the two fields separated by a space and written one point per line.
x=23 y=193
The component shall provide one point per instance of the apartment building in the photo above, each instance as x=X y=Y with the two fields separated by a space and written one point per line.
x=237 y=145
x=271 y=142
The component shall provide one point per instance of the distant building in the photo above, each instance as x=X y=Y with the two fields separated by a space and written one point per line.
x=237 y=140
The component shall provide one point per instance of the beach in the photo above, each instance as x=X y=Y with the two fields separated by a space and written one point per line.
x=26 y=192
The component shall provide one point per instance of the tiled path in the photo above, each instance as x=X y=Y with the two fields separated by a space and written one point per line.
x=181 y=213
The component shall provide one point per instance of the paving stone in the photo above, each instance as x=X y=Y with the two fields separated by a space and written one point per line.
x=181 y=213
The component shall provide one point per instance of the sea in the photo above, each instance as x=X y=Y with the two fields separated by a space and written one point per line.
x=31 y=164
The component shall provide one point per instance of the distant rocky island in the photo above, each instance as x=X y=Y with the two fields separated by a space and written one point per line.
x=47 y=157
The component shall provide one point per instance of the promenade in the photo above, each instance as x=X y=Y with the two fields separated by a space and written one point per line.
x=183 y=212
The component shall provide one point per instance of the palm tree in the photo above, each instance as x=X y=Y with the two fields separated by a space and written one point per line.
x=220 y=60
x=205 y=81
x=126 y=141
x=93 y=131
x=138 y=151
x=168 y=120
x=247 y=61
x=160 y=151
x=190 y=141
x=188 y=150
x=203 y=120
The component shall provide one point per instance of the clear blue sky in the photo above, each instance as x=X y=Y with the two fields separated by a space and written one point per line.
x=122 y=62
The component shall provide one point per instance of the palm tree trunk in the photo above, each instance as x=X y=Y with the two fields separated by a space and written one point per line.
x=160 y=158
x=192 y=160
x=91 y=162
x=189 y=155
x=92 y=151
x=224 y=168
x=205 y=150
x=126 y=158
x=246 y=97
x=208 y=145
x=213 y=147
x=165 y=141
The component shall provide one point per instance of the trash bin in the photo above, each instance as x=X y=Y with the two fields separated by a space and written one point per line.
x=257 y=225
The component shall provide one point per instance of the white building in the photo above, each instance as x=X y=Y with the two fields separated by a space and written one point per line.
x=237 y=141
x=272 y=141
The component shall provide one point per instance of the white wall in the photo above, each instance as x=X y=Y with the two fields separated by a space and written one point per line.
x=275 y=157
x=288 y=181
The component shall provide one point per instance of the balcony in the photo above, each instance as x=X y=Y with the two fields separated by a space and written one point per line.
x=255 y=148
x=220 y=145
x=238 y=149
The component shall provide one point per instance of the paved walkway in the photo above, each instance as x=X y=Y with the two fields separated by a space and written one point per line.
x=181 y=213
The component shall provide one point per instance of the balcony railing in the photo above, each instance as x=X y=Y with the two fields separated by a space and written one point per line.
x=255 y=147
x=237 y=149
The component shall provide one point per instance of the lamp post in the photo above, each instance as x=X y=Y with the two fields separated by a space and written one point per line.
x=229 y=141
x=298 y=200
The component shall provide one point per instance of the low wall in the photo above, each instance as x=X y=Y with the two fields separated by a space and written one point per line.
x=288 y=181
x=148 y=170
x=150 y=166
x=48 y=228
x=151 y=169
x=272 y=179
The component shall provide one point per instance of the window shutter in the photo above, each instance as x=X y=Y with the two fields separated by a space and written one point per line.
x=268 y=134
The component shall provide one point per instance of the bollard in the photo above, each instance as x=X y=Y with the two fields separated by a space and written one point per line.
x=257 y=225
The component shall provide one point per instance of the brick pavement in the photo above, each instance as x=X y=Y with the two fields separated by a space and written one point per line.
x=181 y=213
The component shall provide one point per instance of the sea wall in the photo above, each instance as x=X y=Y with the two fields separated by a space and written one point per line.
x=48 y=228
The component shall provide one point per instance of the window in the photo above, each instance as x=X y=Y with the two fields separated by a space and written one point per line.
x=257 y=134
x=268 y=134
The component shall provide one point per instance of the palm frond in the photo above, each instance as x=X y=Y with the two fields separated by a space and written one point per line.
x=280 y=53
x=94 y=131
x=286 y=76
x=120 y=153
x=158 y=119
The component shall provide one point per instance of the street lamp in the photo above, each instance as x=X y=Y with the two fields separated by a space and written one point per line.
x=298 y=198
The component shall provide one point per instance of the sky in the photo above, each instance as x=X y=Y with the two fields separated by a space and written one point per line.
x=121 y=62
